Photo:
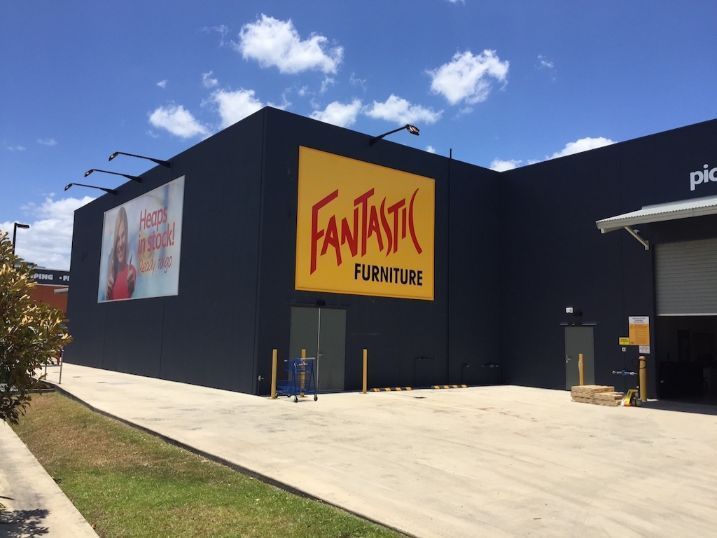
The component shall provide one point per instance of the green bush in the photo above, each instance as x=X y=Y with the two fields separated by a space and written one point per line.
x=30 y=334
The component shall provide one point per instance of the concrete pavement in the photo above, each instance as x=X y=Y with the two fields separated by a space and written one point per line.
x=496 y=461
x=34 y=504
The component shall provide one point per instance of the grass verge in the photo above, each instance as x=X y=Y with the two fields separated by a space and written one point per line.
x=129 y=483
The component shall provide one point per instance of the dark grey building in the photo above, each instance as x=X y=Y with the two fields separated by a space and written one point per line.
x=510 y=250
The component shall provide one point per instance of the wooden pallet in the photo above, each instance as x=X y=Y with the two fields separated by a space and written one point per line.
x=608 y=395
x=596 y=394
x=611 y=399
x=608 y=403
x=589 y=390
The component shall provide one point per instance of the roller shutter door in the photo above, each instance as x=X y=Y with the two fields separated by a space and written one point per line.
x=686 y=278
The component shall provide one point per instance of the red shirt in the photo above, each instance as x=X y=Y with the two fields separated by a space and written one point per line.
x=120 y=289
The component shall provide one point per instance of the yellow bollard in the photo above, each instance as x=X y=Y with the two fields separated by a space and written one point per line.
x=365 y=371
x=581 y=369
x=302 y=374
x=643 y=378
x=274 y=354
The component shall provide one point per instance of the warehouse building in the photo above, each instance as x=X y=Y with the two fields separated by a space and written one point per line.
x=284 y=232
x=51 y=287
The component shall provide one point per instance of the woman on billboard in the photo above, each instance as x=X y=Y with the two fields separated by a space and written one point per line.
x=121 y=274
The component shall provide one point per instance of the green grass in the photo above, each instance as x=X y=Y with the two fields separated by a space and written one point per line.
x=128 y=483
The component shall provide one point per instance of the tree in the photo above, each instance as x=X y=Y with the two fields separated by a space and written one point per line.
x=30 y=334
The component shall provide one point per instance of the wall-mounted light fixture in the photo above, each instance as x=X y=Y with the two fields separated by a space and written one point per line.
x=133 y=178
x=114 y=154
x=109 y=191
x=408 y=127
x=575 y=314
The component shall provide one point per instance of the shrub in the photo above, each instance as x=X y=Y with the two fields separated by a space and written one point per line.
x=30 y=334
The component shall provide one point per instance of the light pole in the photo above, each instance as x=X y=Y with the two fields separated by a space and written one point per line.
x=15 y=226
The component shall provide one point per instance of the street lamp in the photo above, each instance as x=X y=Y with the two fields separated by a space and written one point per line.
x=133 y=178
x=109 y=191
x=114 y=154
x=410 y=128
x=15 y=226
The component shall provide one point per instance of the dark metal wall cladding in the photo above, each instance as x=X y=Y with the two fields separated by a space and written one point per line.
x=512 y=250
x=555 y=257
x=205 y=335
x=408 y=340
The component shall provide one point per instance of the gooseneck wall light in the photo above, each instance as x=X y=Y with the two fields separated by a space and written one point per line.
x=133 y=178
x=114 y=155
x=108 y=191
x=408 y=127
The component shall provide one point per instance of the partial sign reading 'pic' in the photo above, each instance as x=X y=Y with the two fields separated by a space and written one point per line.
x=363 y=229
x=141 y=244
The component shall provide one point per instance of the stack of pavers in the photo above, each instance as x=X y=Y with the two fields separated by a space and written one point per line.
x=596 y=394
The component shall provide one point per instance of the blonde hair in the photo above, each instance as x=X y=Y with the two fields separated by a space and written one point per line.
x=113 y=267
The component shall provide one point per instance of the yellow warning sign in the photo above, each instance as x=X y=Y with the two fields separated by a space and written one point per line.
x=639 y=330
x=624 y=341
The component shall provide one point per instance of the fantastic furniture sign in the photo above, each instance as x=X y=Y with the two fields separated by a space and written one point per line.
x=363 y=229
x=141 y=243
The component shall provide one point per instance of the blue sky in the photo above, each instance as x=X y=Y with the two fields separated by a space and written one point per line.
x=502 y=83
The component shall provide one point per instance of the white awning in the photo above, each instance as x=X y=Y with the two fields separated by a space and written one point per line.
x=681 y=209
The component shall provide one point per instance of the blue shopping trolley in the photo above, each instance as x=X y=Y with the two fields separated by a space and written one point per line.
x=301 y=379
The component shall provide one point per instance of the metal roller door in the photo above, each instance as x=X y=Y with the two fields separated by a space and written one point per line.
x=686 y=278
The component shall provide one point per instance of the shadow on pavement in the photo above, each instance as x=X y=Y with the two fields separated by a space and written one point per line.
x=682 y=407
x=16 y=523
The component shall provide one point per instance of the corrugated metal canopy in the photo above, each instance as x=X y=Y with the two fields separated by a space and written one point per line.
x=681 y=209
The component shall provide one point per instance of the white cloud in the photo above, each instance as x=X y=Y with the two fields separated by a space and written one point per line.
x=501 y=165
x=47 y=141
x=430 y=149
x=17 y=147
x=343 y=115
x=545 y=63
x=221 y=29
x=177 y=120
x=275 y=43
x=208 y=81
x=582 y=144
x=162 y=83
x=235 y=105
x=399 y=110
x=326 y=84
x=49 y=240
x=456 y=1
x=468 y=77
x=356 y=81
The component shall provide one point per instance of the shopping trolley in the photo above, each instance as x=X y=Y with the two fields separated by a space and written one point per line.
x=301 y=379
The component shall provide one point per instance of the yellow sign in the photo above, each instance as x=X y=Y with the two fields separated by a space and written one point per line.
x=624 y=341
x=363 y=229
x=639 y=330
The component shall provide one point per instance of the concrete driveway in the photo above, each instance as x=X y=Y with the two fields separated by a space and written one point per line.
x=487 y=461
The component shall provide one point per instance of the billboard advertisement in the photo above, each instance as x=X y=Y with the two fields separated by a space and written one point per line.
x=363 y=229
x=141 y=243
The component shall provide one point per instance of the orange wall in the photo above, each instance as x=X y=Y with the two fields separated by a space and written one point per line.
x=46 y=294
